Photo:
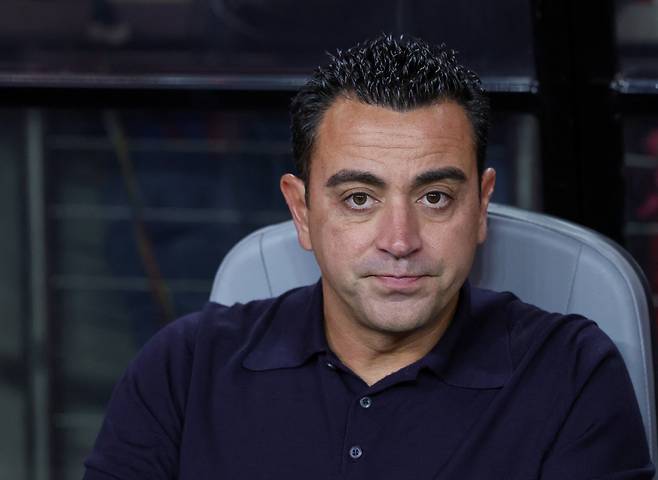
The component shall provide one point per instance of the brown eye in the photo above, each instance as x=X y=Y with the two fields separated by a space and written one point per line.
x=359 y=198
x=436 y=199
x=433 y=197
x=359 y=201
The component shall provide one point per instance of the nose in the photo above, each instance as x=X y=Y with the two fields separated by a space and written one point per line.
x=399 y=232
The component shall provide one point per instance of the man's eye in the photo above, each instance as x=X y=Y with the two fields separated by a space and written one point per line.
x=435 y=199
x=359 y=198
x=359 y=201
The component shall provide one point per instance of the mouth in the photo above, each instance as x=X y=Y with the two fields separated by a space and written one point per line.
x=399 y=282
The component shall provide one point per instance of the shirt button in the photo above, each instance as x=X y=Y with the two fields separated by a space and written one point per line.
x=356 y=452
x=365 y=402
x=331 y=365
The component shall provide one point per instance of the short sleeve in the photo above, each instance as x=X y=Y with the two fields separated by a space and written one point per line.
x=603 y=436
x=141 y=432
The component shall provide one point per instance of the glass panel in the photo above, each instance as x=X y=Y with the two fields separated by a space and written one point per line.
x=142 y=206
x=641 y=159
x=514 y=153
x=637 y=36
x=248 y=36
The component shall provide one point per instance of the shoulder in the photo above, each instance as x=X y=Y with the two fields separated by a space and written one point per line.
x=555 y=356
x=146 y=415
x=534 y=332
x=568 y=381
x=229 y=325
x=193 y=346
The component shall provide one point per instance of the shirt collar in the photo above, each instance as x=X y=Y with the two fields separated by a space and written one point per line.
x=472 y=353
x=474 y=350
x=293 y=334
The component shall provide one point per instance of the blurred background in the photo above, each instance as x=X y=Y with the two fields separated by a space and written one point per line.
x=140 y=139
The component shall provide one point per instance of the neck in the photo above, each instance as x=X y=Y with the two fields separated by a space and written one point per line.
x=374 y=354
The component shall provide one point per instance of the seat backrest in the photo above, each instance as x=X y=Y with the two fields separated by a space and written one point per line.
x=548 y=262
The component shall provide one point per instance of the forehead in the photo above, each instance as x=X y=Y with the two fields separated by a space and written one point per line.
x=354 y=134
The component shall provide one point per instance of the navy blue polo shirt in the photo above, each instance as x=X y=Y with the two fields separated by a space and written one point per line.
x=253 y=392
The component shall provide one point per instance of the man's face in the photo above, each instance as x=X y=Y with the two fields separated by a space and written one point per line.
x=394 y=214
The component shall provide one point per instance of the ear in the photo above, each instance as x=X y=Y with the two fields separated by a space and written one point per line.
x=294 y=192
x=487 y=185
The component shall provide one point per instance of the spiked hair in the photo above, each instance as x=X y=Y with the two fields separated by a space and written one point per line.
x=397 y=73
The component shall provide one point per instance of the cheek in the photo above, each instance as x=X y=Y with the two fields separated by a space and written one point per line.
x=346 y=240
x=453 y=242
x=339 y=245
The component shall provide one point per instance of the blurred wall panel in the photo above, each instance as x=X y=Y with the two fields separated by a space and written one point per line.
x=13 y=397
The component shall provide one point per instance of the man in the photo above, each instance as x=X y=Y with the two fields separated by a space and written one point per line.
x=392 y=366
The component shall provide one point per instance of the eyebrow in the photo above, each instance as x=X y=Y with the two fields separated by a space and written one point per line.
x=436 y=175
x=360 y=176
x=422 y=179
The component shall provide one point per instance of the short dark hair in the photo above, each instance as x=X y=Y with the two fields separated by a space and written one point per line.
x=398 y=73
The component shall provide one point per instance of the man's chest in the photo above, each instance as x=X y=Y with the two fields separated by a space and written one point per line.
x=323 y=425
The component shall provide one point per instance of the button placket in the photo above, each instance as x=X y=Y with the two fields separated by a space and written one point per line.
x=355 y=452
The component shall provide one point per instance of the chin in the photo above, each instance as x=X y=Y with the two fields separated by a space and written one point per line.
x=398 y=319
